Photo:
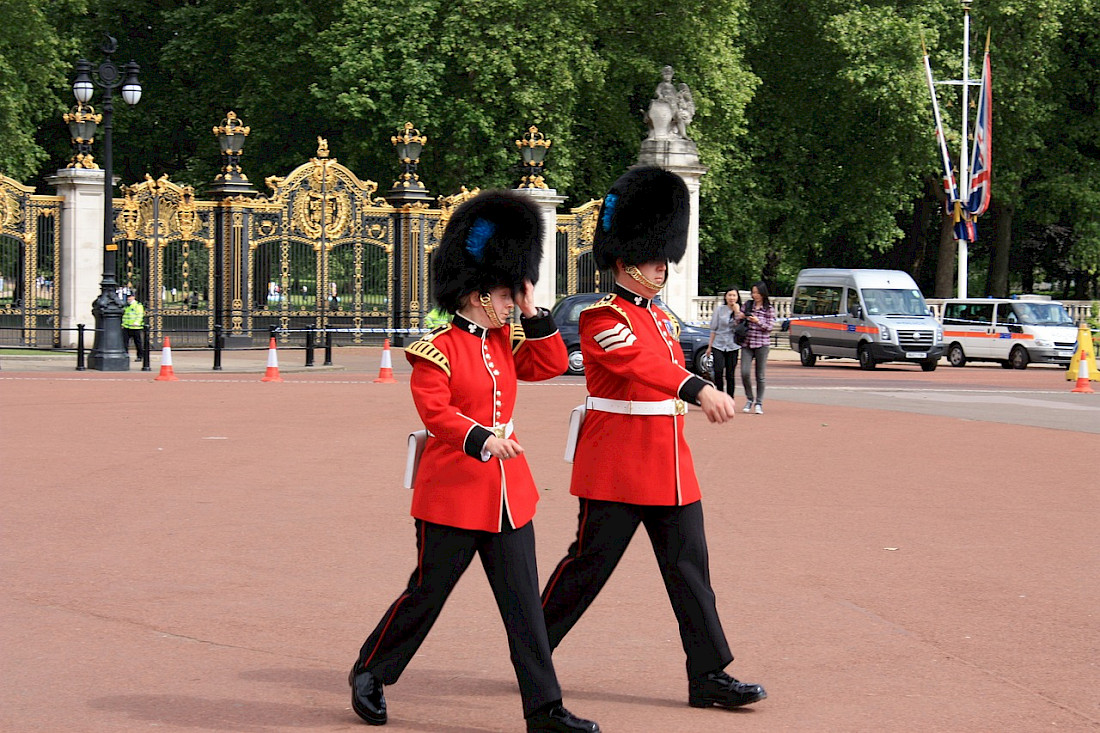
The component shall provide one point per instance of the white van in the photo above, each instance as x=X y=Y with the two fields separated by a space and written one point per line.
x=1013 y=332
x=870 y=315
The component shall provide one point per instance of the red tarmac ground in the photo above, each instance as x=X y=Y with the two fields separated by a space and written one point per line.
x=208 y=555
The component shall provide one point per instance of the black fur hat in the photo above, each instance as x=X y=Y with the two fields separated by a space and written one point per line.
x=644 y=217
x=491 y=240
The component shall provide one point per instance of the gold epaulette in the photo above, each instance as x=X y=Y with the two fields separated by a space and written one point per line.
x=608 y=301
x=425 y=349
x=518 y=337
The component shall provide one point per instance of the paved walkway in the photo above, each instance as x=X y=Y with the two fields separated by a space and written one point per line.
x=208 y=554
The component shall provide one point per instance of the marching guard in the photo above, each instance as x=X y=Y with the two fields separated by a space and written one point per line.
x=473 y=493
x=632 y=464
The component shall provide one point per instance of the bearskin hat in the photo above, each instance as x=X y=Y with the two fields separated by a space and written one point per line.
x=493 y=239
x=644 y=217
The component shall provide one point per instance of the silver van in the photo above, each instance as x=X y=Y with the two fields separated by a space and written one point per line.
x=874 y=316
x=1013 y=332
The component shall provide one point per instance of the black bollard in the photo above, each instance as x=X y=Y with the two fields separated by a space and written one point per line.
x=328 y=348
x=80 y=347
x=145 y=348
x=217 y=347
x=309 y=346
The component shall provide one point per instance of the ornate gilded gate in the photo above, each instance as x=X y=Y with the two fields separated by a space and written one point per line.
x=166 y=256
x=30 y=266
x=319 y=252
x=577 y=271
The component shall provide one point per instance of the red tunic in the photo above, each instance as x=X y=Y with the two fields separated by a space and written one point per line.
x=632 y=352
x=463 y=384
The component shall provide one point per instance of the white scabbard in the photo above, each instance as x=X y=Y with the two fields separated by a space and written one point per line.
x=576 y=420
x=416 y=449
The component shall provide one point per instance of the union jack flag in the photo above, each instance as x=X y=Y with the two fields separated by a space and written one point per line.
x=981 y=162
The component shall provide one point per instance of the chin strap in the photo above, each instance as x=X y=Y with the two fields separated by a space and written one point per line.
x=490 y=311
x=645 y=281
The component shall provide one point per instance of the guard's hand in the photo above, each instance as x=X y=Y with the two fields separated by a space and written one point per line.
x=717 y=406
x=502 y=448
x=525 y=300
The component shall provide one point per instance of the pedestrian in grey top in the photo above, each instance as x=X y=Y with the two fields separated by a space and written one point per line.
x=722 y=347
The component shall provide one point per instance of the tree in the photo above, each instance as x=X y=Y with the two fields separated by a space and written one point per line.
x=33 y=69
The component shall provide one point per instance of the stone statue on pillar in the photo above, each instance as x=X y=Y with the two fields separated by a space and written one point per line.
x=671 y=109
x=667 y=145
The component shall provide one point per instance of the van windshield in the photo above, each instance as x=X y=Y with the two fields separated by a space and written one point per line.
x=882 y=302
x=1043 y=314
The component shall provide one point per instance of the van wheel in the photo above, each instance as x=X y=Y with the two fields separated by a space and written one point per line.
x=955 y=356
x=866 y=361
x=806 y=354
x=1007 y=365
x=1018 y=358
x=929 y=365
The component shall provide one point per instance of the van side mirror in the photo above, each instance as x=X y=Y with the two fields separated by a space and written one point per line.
x=931 y=311
x=856 y=311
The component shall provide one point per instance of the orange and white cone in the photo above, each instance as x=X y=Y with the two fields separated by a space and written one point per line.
x=272 y=373
x=1083 y=375
x=166 y=373
x=385 y=372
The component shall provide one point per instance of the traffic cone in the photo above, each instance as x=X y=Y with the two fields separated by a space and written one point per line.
x=1085 y=353
x=385 y=372
x=1083 y=374
x=272 y=373
x=166 y=373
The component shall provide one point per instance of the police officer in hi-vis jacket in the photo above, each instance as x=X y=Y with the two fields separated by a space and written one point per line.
x=632 y=464
x=473 y=493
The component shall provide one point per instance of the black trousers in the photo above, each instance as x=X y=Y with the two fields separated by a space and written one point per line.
x=680 y=545
x=725 y=369
x=445 y=552
x=135 y=335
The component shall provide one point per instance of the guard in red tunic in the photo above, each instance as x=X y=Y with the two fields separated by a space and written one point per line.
x=638 y=393
x=473 y=493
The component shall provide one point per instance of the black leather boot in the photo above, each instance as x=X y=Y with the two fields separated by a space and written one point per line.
x=367 y=699
x=557 y=718
x=718 y=688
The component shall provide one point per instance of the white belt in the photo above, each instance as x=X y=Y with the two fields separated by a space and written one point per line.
x=502 y=431
x=635 y=407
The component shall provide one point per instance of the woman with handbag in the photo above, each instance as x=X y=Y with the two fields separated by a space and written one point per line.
x=759 y=315
x=722 y=347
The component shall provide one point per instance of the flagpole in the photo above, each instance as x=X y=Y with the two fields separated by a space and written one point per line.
x=964 y=157
x=952 y=193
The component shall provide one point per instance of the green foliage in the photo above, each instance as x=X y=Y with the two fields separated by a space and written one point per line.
x=812 y=117
x=32 y=70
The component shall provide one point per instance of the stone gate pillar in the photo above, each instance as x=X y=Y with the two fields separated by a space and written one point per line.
x=683 y=280
x=670 y=112
x=548 y=201
x=81 y=250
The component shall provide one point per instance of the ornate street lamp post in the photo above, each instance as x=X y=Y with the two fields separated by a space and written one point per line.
x=408 y=144
x=231 y=135
x=533 y=147
x=108 y=354
x=82 y=122
x=410 y=197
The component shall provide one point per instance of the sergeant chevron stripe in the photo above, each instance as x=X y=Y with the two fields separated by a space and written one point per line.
x=615 y=338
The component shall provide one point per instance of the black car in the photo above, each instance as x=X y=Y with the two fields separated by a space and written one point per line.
x=567 y=313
